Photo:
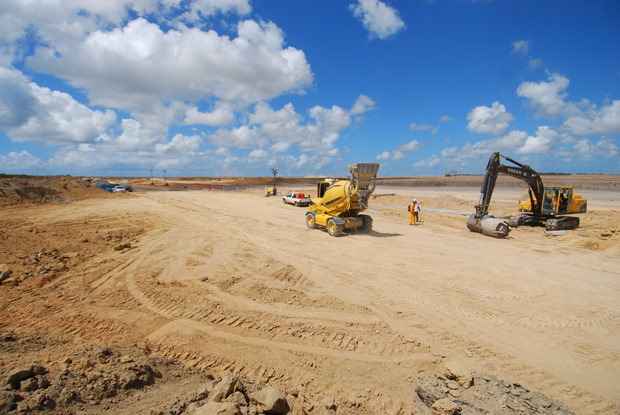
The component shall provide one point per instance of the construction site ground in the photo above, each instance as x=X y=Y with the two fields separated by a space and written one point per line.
x=233 y=282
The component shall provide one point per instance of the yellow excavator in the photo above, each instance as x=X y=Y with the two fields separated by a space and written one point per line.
x=545 y=206
x=339 y=202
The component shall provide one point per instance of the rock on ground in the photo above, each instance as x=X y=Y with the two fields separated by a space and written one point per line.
x=483 y=395
x=445 y=406
x=224 y=388
x=271 y=401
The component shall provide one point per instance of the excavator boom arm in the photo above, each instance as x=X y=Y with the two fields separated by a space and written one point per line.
x=516 y=170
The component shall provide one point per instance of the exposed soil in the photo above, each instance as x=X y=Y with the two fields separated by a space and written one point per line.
x=202 y=286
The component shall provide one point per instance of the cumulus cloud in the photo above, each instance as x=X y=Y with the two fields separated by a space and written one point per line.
x=156 y=63
x=381 y=20
x=362 y=105
x=605 y=120
x=204 y=8
x=544 y=141
x=549 y=98
x=508 y=142
x=67 y=21
x=240 y=137
x=384 y=155
x=399 y=152
x=546 y=97
x=602 y=148
x=190 y=64
x=19 y=160
x=29 y=112
x=180 y=144
x=222 y=114
x=541 y=142
x=134 y=149
x=520 y=47
x=284 y=128
x=428 y=163
x=494 y=119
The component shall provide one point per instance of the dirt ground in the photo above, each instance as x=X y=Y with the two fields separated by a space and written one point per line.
x=233 y=282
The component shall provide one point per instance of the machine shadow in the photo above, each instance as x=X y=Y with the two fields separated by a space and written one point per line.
x=384 y=234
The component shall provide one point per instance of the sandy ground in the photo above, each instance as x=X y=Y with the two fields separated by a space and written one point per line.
x=233 y=281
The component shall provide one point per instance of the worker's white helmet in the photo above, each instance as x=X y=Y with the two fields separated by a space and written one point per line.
x=414 y=200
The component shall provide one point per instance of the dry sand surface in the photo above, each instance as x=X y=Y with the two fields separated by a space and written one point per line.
x=233 y=282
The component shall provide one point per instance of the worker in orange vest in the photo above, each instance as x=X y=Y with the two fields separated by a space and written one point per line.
x=412 y=213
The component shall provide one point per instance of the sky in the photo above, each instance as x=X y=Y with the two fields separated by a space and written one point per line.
x=236 y=87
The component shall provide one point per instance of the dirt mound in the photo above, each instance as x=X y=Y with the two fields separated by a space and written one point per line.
x=16 y=190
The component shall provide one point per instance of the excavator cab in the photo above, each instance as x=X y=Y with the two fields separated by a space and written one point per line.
x=558 y=201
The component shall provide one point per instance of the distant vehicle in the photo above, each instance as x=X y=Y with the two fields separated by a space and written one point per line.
x=297 y=199
x=127 y=187
x=105 y=186
x=113 y=187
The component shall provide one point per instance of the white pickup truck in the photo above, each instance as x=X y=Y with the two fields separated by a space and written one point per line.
x=297 y=199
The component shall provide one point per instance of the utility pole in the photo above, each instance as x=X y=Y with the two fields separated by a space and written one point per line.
x=274 y=172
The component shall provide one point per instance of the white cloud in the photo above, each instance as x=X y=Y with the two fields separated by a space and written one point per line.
x=205 y=8
x=180 y=144
x=545 y=141
x=540 y=143
x=400 y=152
x=603 y=148
x=139 y=64
x=240 y=137
x=605 y=120
x=362 y=105
x=68 y=20
x=547 y=98
x=508 y=142
x=280 y=147
x=273 y=135
x=19 y=160
x=221 y=115
x=582 y=118
x=494 y=119
x=520 y=47
x=385 y=155
x=445 y=119
x=381 y=20
x=429 y=162
x=133 y=149
x=258 y=154
x=29 y=112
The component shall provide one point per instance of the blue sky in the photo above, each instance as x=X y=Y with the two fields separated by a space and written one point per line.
x=232 y=87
